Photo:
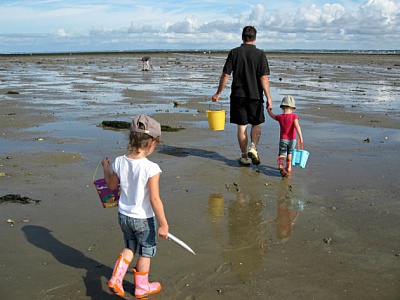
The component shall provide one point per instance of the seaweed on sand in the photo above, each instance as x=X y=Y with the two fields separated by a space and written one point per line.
x=17 y=198
x=126 y=125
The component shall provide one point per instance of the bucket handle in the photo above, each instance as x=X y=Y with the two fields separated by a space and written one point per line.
x=300 y=146
x=209 y=106
x=95 y=171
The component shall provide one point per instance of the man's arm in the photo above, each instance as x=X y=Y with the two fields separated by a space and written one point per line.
x=265 y=85
x=222 y=82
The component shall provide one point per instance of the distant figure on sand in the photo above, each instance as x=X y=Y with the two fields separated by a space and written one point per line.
x=250 y=82
x=289 y=124
x=145 y=61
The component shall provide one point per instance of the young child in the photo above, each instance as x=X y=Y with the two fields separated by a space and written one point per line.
x=139 y=206
x=289 y=124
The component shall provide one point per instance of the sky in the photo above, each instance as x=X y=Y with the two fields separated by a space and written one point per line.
x=129 y=25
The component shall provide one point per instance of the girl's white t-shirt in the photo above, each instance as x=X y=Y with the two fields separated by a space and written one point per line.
x=133 y=174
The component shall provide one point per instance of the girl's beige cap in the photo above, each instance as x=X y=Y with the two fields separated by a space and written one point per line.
x=151 y=126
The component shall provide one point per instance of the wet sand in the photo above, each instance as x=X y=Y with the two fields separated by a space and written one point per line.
x=328 y=232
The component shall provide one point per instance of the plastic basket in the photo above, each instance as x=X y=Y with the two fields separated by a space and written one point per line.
x=300 y=156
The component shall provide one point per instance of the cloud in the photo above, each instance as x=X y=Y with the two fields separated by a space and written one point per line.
x=257 y=14
x=188 y=25
x=84 y=26
x=374 y=20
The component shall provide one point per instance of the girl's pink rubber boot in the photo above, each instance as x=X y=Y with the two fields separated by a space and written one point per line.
x=281 y=162
x=143 y=287
x=115 y=283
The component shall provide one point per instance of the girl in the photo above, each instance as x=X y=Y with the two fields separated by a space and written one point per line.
x=139 y=205
x=289 y=124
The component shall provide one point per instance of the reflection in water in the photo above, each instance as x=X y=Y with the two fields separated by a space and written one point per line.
x=246 y=244
x=247 y=237
x=238 y=225
x=216 y=213
x=216 y=207
x=287 y=211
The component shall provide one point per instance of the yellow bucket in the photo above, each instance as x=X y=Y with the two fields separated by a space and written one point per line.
x=216 y=119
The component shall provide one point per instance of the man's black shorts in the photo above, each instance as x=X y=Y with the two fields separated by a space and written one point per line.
x=246 y=111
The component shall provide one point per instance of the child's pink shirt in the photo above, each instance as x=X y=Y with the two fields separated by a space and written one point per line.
x=286 y=122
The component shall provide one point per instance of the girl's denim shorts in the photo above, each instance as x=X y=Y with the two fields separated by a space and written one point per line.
x=286 y=147
x=139 y=234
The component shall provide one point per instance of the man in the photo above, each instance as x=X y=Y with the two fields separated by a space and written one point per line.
x=250 y=69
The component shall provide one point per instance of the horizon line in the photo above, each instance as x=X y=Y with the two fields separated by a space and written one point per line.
x=206 y=51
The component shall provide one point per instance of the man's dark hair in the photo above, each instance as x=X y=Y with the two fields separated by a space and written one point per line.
x=249 y=34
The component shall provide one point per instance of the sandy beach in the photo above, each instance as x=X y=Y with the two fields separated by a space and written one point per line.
x=330 y=231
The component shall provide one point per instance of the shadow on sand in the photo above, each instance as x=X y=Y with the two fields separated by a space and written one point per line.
x=42 y=238
x=184 y=152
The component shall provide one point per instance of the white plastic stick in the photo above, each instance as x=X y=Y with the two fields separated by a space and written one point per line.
x=180 y=243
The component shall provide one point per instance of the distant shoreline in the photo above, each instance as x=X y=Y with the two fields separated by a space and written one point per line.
x=283 y=51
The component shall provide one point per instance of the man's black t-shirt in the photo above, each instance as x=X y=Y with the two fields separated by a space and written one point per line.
x=248 y=64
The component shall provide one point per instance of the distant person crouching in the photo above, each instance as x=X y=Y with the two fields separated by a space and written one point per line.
x=146 y=61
